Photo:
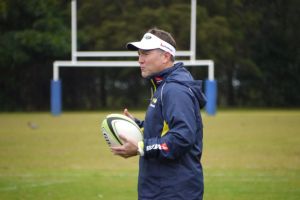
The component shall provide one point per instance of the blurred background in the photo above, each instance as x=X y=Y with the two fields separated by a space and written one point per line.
x=248 y=153
x=254 y=44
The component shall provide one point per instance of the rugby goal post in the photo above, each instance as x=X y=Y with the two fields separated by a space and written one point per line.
x=56 y=94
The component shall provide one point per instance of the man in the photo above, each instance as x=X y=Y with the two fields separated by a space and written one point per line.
x=169 y=166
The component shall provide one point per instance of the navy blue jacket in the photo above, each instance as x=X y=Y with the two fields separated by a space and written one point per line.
x=171 y=168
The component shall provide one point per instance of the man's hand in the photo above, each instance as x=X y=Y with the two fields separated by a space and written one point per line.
x=128 y=149
x=128 y=114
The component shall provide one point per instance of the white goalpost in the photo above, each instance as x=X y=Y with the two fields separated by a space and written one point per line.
x=56 y=96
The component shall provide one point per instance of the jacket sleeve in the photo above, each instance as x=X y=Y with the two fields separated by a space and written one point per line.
x=178 y=110
x=140 y=123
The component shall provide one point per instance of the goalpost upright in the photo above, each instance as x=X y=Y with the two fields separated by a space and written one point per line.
x=56 y=93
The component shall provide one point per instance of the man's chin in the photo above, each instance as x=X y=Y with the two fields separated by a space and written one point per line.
x=144 y=75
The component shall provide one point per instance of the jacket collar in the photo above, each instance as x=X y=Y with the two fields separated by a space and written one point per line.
x=160 y=77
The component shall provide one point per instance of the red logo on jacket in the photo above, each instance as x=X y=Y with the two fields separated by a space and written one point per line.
x=164 y=147
x=158 y=79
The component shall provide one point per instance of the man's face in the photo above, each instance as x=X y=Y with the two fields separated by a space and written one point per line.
x=151 y=61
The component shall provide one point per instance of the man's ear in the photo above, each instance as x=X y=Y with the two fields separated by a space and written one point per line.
x=167 y=57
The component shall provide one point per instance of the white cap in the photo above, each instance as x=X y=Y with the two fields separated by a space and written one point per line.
x=151 y=41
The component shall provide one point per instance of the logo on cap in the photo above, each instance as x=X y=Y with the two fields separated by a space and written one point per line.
x=148 y=37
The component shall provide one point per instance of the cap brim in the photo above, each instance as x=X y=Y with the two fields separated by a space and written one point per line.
x=132 y=46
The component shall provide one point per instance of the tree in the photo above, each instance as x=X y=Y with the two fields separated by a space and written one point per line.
x=32 y=32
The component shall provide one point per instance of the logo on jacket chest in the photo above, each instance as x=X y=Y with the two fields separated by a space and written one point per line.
x=153 y=102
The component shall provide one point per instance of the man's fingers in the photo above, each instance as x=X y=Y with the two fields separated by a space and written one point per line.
x=118 y=150
x=127 y=113
x=128 y=149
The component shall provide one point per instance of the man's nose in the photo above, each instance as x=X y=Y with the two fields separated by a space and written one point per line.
x=141 y=59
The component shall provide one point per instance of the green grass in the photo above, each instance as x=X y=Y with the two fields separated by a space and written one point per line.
x=247 y=155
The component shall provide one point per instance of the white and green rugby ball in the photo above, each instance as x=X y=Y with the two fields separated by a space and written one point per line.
x=115 y=124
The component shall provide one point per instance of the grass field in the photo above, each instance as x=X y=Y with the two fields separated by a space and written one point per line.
x=247 y=155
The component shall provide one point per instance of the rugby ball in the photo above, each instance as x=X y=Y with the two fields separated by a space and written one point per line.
x=115 y=124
